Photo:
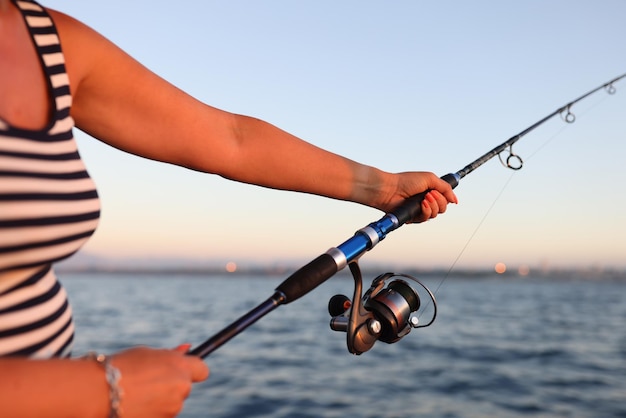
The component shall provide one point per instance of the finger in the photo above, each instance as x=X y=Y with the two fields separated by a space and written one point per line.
x=426 y=211
x=442 y=202
x=451 y=197
x=198 y=368
x=432 y=203
x=446 y=190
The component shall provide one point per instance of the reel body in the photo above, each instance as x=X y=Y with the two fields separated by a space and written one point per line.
x=383 y=313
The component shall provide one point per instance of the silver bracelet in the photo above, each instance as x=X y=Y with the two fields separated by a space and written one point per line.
x=113 y=377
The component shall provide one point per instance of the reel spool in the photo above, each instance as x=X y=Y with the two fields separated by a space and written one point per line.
x=383 y=313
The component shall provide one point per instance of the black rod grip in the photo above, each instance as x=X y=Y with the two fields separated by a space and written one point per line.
x=308 y=277
x=409 y=209
x=412 y=207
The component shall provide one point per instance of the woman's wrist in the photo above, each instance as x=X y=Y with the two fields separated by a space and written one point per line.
x=112 y=376
x=373 y=187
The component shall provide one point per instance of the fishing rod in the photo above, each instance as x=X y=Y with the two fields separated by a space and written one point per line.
x=384 y=312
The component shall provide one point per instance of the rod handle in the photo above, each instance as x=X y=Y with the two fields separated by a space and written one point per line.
x=411 y=207
x=308 y=278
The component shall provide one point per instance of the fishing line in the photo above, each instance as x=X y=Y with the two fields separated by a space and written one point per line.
x=569 y=120
x=467 y=243
x=506 y=184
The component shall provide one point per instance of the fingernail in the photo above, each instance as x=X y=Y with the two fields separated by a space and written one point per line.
x=183 y=348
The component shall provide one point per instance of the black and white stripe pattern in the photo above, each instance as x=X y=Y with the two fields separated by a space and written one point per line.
x=35 y=318
x=48 y=203
x=49 y=207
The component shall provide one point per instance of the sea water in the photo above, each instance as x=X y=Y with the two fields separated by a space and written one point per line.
x=499 y=348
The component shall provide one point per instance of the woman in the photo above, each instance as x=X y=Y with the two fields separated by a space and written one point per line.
x=56 y=73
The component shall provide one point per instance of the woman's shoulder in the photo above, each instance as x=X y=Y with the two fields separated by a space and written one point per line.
x=84 y=49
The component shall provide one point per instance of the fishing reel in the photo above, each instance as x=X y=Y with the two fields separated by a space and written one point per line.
x=384 y=312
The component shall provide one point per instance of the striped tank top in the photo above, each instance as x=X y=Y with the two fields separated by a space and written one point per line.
x=49 y=207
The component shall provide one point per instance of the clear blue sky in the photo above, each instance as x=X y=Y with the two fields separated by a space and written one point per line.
x=404 y=85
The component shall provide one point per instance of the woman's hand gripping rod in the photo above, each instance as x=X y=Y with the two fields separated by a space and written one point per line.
x=322 y=268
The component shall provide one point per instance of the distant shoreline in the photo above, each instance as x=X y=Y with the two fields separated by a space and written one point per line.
x=477 y=273
x=86 y=263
